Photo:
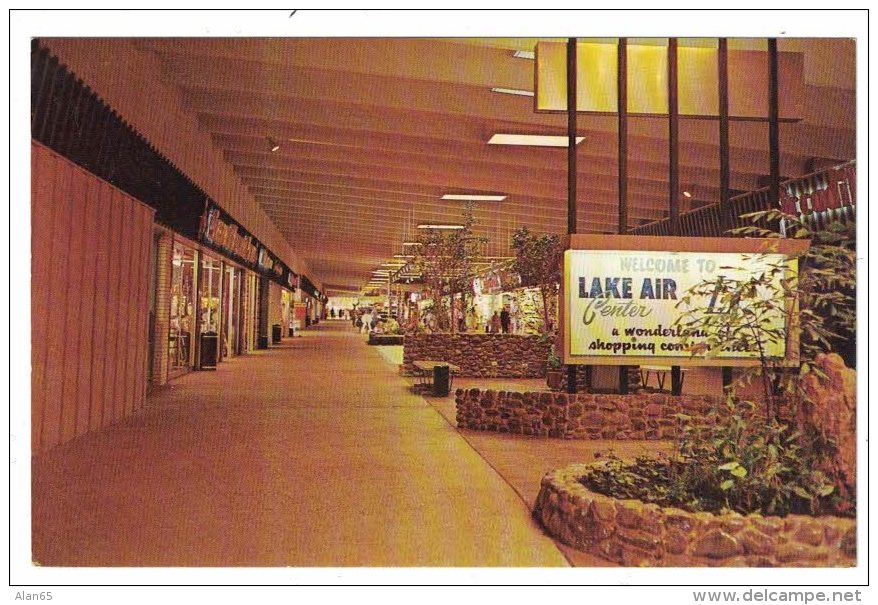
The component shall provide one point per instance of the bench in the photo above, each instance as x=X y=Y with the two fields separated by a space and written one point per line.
x=424 y=371
x=661 y=374
x=386 y=339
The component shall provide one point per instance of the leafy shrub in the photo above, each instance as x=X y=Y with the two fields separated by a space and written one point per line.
x=742 y=464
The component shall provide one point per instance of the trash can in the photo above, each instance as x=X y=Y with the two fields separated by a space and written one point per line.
x=209 y=349
x=275 y=333
x=440 y=381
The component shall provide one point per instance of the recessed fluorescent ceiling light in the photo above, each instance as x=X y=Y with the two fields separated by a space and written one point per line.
x=474 y=197
x=440 y=226
x=513 y=91
x=538 y=140
x=403 y=255
x=524 y=54
x=412 y=244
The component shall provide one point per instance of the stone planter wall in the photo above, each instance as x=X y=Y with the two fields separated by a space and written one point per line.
x=633 y=533
x=480 y=355
x=581 y=415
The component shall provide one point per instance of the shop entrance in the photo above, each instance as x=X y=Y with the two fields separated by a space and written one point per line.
x=231 y=311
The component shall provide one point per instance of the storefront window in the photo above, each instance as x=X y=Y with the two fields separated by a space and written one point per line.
x=286 y=300
x=231 y=310
x=182 y=307
x=211 y=277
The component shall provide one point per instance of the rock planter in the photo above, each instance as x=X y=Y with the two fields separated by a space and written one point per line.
x=582 y=415
x=480 y=355
x=633 y=533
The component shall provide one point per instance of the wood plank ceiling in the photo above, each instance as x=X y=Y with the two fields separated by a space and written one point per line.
x=373 y=131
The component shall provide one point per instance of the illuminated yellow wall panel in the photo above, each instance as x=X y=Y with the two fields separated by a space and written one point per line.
x=551 y=76
x=596 y=89
x=648 y=79
x=697 y=81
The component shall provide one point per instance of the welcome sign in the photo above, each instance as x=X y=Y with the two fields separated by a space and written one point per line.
x=621 y=302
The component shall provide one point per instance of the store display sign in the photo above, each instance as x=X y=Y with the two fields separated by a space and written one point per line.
x=265 y=260
x=621 y=306
x=226 y=235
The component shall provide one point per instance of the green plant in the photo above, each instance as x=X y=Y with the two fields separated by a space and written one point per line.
x=741 y=464
x=553 y=361
x=538 y=262
x=759 y=311
x=751 y=465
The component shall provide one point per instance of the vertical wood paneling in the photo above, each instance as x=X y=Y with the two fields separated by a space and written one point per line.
x=143 y=285
x=41 y=245
x=56 y=311
x=122 y=388
x=90 y=271
x=72 y=303
x=136 y=334
x=87 y=307
x=99 y=330
x=111 y=338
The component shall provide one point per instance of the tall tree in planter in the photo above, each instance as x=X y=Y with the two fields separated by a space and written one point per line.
x=538 y=262
x=446 y=260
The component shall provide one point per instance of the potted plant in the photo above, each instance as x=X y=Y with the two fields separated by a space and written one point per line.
x=554 y=375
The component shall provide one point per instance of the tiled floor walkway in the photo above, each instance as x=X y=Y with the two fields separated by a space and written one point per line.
x=315 y=453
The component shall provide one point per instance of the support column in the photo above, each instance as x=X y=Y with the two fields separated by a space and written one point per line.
x=571 y=166
x=726 y=219
x=673 y=171
x=622 y=112
x=162 y=326
x=773 y=125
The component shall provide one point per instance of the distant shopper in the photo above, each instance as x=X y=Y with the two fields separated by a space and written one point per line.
x=504 y=320
x=495 y=323
x=367 y=321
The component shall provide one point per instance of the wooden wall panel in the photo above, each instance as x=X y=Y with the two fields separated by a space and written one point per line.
x=90 y=271
x=111 y=335
x=140 y=318
x=41 y=242
x=86 y=309
x=128 y=272
x=102 y=253
x=71 y=302
x=55 y=312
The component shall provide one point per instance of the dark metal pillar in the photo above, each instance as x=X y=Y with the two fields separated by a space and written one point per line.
x=726 y=220
x=773 y=126
x=725 y=211
x=622 y=111
x=673 y=171
x=673 y=141
x=622 y=93
x=571 y=166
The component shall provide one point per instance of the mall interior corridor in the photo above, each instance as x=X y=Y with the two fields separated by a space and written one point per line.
x=312 y=453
